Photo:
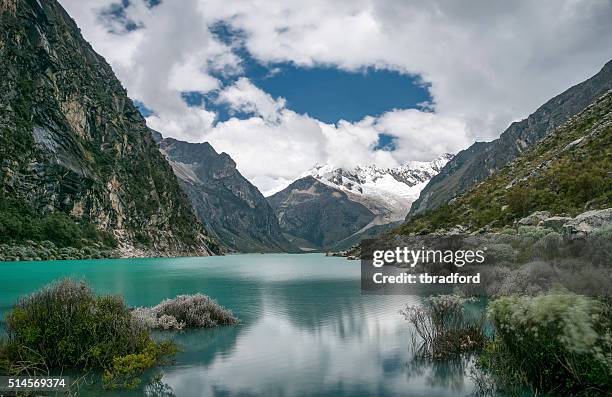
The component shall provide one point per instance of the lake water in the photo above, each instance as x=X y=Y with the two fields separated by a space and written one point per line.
x=306 y=328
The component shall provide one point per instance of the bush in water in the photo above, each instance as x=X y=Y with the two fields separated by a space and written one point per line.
x=444 y=327
x=66 y=326
x=191 y=311
x=558 y=342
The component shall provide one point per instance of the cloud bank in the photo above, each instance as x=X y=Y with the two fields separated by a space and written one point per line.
x=487 y=63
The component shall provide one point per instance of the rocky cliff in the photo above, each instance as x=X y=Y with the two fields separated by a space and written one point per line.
x=566 y=173
x=227 y=203
x=73 y=146
x=483 y=159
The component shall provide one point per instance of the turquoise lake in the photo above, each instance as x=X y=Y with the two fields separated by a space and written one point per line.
x=306 y=328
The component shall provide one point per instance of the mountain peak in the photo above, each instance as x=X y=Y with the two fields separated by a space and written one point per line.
x=331 y=206
x=388 y=192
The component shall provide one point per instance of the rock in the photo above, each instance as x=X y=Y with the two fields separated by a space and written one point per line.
x=318 y=214
x=556 y=223
x=588 y=222
x=479 y=161
x=226 y=202
x=534 y=219
x=457 y=229
x=74 y=143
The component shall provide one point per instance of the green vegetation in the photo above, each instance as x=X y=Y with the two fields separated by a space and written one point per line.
x=125 y=371
x=558 y=343
x=20 y=224
x=568 y=172
x=66 y=326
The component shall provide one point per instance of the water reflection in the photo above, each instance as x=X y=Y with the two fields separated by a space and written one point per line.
x=306 y=328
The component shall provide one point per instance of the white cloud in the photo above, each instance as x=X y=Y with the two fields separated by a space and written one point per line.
x=423 y=135
x=277 y=143
x=245 y=97
x=488 y=63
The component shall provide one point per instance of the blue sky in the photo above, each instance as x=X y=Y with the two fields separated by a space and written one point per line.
x=343 y=82
x=326 y=93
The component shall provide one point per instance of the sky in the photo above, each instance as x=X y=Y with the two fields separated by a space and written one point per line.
x=282 y=85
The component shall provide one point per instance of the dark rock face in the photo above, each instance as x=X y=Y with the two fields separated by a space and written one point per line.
x=316 y=216
x=227 y=203
x=71 y=140
x=482 y=159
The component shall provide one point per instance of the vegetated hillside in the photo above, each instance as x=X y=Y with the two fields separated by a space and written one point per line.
x=568 y=172
x=230 y=206
x=78 y=165
x=483 y=159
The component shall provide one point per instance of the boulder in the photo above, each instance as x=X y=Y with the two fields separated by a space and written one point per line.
x=587 y=222
x=556 y=223
x=534 y=219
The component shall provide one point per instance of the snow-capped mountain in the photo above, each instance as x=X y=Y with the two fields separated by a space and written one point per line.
x=330 y=207
x=387 y=192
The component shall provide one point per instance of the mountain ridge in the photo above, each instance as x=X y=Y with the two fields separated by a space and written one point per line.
x=482 y=159
x=332 y=208
x=72 y=141
x=565 y=174
x=231 y=207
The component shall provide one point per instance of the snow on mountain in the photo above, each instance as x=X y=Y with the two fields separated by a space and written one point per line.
x=387 y=192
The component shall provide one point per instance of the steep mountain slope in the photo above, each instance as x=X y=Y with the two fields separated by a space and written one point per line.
x=315 y=215
x=566 y=173
x=482 y=159
x=74 y=148
x=333 y=208
x=228 y=204
x=386 y=192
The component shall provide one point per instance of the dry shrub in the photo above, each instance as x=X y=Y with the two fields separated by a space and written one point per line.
x=184 y=311
x=444 y=328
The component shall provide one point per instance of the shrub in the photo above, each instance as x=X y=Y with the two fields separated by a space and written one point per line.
x=443 y=326
x=550 y=246
x=66 y=326
x=598 y=247
x=558 y=342
x=535 y=232
x=508 y=231
x=499 y=253
x=125 y=371
x=193 y=311
x=519 y=201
